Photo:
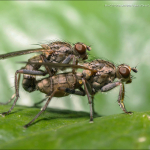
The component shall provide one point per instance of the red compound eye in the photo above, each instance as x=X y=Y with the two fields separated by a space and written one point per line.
x=125 y=72
x=80 y=48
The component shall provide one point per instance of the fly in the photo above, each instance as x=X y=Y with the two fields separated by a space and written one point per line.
x=97 y=76
x=55 y=52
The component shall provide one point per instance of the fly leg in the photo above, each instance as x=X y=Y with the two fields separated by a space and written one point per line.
x=121 y=98
x=40 y=102
x=13 y=96
x=92 y=96
x=22 y=71
x=42 y=109
x=75 y=62
x=16 y=94
x=94 y=112
x=81 y=92
x=67 y=90
x=68 y=59
x=48 y=70
x=89 y=99
x=110 y=86
x=46 y=67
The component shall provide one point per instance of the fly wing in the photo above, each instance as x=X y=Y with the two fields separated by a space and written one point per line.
x=23 y=52
x=60 y=65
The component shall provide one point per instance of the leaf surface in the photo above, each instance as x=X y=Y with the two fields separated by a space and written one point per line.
x=62 y=129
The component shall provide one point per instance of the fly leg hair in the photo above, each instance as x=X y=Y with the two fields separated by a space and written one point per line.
x=43 y=109
x=21 y=71
x=67 y=90
x=110 y=86
x=14 y=95
x=121 y=98
x=92 y=96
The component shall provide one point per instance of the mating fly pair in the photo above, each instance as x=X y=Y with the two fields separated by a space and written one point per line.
x=97 y=75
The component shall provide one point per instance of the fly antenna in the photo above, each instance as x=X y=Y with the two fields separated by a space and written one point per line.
x=134 y=69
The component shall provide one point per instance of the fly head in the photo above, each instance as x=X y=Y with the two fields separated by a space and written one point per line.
x=123 y=73
x=80 y=50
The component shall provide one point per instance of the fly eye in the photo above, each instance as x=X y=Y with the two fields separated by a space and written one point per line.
x=80 y=48
x=124 y=72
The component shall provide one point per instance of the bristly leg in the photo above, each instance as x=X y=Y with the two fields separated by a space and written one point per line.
x=47 y=69
x=21 y=71
x=93 y=107
x=80 y=92
x=90 y=101
x=43 y=109
x=121 y=98
x=16 y=93
x=111 y=86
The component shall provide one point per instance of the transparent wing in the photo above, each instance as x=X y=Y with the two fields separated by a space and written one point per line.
x=23 y=52
x=60 y=65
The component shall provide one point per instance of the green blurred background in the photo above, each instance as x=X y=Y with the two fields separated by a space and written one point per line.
x=118 y=34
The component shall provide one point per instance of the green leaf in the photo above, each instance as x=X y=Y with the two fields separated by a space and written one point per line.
x=62 y=129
